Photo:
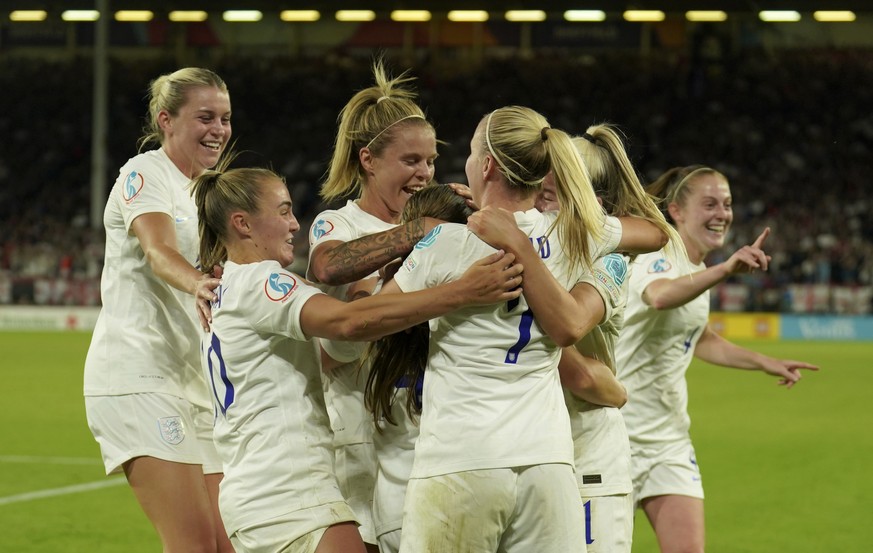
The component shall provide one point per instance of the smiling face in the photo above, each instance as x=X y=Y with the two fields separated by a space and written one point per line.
x=403 y=167
x=195 y=137
x=272 y=228
x=705 y=216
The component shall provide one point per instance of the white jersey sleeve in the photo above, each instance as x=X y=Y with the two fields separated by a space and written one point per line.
x=612 y=233
x=144 y=188
x=608 y=276
x=140 y=311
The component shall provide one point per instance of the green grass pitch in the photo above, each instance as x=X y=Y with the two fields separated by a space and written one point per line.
x=784 y=470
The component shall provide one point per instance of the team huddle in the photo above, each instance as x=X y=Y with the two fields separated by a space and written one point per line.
x=481 y=367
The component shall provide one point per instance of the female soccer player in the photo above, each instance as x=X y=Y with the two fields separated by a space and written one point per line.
x=384 y=151
x=145 y=395
x=602 y=449
x=393 y=389
x=494 y=451
x=279 y=492
x=666 y=322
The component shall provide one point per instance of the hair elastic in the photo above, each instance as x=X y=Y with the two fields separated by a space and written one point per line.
x=543 y=133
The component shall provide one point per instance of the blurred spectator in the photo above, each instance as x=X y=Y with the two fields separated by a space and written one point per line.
x=794 y=166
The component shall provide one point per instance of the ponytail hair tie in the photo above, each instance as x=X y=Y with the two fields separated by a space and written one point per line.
x=543 y=133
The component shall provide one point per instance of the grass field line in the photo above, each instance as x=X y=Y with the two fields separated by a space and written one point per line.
x=66 y=490
x=50 y=460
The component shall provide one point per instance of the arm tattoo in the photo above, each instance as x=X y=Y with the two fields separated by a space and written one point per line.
x=354 y=260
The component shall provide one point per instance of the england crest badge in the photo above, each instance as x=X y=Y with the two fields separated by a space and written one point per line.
x=172 y=430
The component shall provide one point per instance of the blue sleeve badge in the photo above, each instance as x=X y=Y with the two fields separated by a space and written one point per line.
x=279 y=286
x=429 y=239
x=660 y=266
x=616 y=266
x=132 y=186
x=321 y=228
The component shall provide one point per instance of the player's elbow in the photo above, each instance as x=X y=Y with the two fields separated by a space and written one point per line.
x=322 y=274
x=569 y=334
x=658 y=302
x=621 y=397
x=660 y=305
x=566 y=339
x=662 y=240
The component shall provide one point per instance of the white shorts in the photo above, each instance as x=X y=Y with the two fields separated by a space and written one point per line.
x=521 y=509
x=665 y=470
x=355 y=467
x=155 y=425
x=609 y=523
x=282 y=534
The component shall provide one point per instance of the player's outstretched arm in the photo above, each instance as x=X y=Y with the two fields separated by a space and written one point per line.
x=493 y=279
x=714 y=349
x=639 y=235
x=336 y=262
x=669 y=293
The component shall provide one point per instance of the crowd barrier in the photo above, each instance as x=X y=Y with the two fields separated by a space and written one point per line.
x=733 y=326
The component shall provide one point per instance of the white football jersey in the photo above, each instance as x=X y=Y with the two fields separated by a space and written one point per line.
x=271 y=426
x=344 y=388
x=653 y=352
x=600 y=441
x=147 y=334
x=492 y=395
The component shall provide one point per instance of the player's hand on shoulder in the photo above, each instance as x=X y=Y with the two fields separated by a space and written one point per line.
x=495 y=278
x=497 y=228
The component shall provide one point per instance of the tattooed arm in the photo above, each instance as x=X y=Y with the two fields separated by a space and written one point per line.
x=337 y=263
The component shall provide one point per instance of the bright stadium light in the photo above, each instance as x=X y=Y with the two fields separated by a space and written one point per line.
x=28 y=15
x=188 y=16
x=779 y=16
x=468 y=16
x=242 y=16
x=355 y=15
x=585 y=15
x=525 y=15
x=410 y=15
x=134 y=15
x=299 y=15
x=80 y=15
x=834 y=16
x=638 y=16
x=706 y=15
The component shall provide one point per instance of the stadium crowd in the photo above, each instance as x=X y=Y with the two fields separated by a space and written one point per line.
x=791 y=130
